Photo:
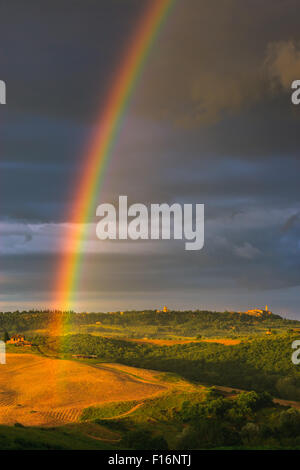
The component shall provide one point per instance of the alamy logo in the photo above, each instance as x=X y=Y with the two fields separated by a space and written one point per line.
x=2 y=353
x=2 y=92
x=187 y=222
x=296 y=354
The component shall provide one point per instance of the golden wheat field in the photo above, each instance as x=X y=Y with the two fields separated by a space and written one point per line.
x=171 y=342
x=39 y=391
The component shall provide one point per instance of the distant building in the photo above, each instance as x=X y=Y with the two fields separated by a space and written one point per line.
x=257 y=312
x=164 y=310
x=18 y=340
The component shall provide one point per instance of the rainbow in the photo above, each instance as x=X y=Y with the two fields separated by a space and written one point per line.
x=101 y=148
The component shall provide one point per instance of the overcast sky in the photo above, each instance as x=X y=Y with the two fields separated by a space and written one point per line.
x=211 y=122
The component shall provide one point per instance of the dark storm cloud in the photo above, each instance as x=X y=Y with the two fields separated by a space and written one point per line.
x=283 y=62
x=217 y=58
x=290 y=222
x=60 y=56
x=40 y=160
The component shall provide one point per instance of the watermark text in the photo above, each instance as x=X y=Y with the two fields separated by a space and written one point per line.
x=159 y=222
x=2 y=92
x=2 y=353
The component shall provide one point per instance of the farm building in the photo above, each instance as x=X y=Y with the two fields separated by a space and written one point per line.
x=18 y=340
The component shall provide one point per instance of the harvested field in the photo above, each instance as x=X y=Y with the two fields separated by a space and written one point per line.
x=40 y=391
x=171 y=342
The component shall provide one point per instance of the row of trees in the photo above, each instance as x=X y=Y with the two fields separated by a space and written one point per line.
x=185 y=323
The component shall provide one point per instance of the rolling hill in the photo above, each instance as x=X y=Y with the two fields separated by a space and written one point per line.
x=36 y=390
